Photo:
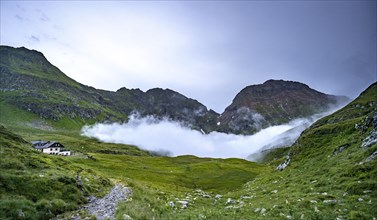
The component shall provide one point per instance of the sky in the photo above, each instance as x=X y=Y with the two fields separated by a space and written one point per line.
x=206 y=50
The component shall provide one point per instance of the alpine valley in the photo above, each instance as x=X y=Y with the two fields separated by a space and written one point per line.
x=329 y=172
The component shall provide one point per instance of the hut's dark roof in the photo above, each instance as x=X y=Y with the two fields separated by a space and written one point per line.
x=44 y=144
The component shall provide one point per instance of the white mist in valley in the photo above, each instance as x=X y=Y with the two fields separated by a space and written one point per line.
x=168 y=136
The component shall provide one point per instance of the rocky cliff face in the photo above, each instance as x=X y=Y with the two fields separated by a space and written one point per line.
x=272 y=103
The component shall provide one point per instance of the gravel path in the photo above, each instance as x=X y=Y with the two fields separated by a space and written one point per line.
x=104 y=208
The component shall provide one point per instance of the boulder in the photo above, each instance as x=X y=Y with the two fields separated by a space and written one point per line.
x=370 y=140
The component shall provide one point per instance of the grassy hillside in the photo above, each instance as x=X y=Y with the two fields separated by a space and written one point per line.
x=37 y=186
x=33 y=63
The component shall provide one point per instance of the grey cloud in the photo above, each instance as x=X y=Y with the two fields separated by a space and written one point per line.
x=34 y=38
x=20 y=18
x=19 y=7
x=50 y=37
x=43 y=17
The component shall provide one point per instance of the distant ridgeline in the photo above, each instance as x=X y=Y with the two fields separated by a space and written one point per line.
x=30 y=83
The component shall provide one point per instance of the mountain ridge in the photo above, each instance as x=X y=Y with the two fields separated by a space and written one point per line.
x=28 y=82
x=32 y=83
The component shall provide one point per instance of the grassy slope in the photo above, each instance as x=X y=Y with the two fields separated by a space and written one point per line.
x=37 y=186
x=36 y=83
x=36 y=65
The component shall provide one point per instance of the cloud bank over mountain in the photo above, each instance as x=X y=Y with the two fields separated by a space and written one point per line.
x=169 y=136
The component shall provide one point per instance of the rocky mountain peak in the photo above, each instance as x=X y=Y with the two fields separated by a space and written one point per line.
x=125 y=90
x=9 y=54
x=274 y=86
x=284 y=84
x=272 y=103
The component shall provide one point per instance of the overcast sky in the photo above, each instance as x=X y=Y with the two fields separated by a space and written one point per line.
x=206 y=50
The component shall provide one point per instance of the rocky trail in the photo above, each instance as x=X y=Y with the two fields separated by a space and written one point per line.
x=103 y=208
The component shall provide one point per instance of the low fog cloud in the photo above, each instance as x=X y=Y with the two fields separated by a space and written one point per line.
x=174 y=139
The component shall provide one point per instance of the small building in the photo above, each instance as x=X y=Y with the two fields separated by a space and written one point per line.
x=50 y=147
